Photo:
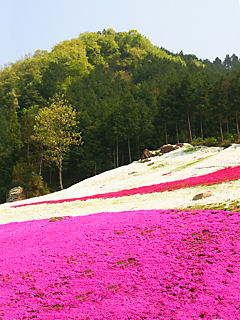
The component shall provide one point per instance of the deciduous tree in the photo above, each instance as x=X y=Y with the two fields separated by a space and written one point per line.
x=54 y=128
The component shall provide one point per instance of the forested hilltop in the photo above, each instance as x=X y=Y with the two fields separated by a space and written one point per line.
x=126 y=95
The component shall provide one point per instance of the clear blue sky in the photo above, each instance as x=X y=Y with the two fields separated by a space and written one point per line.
x=207 y=28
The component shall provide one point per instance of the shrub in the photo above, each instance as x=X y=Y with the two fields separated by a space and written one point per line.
x=228 y=137
x=197 y=142
x=210 y=142
x=225 y=143
x=24 y=174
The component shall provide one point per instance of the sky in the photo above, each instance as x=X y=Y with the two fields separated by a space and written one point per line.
x=206 y=28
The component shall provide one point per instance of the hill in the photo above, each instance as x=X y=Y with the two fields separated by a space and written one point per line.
x=128 y=95
x=120 y=255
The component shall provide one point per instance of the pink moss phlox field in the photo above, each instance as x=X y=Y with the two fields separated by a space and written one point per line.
x=220 y=176
x=172 y=264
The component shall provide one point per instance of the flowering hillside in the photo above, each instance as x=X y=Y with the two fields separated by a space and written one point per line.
x=137 y=261
x=220 y=176
x=131 y=265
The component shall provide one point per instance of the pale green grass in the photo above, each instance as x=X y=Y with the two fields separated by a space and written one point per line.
x=191 y=163
x=233 y=206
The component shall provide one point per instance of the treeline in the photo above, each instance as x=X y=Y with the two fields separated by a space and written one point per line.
x=128 y=95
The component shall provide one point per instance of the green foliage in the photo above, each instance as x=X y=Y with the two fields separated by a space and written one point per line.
x=64 y=63
x=6 y=166
x=190 y=149
x=127 y=94
x=25 y=175
x=10 y=140
x=228 y=136
x=197 y=142
x=210 y=142
x=14 y=127
x=233 y=206
x=54 y=129
x=225 y=144
x=161 y=165
x=190 y=164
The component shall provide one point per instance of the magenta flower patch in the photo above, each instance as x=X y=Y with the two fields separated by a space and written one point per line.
x=220 y=176
x=154 y=264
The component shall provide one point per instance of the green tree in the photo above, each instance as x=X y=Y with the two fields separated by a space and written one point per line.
x=54 y=128
x=65 y=62
x=235 y=100
x=6 y=156
x=131 y=118
x=27 y=119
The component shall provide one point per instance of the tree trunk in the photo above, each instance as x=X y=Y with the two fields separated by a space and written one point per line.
x=117 y=152
x=189 y=127
x=28 y=147
x=227 y=126
x=165 y=129
x=177 y=136
x=40 y=173
x=60 y=169
x=221 y=130
x=201 y=126
x=114 y=157
x=129 y=150
x=50 y=176
x=60 y=174
x=41 y=160
x=138 y=142
x=40 y=167
x=238 y=134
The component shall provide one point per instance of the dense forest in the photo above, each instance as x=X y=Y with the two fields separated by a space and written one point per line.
x=126 y=95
